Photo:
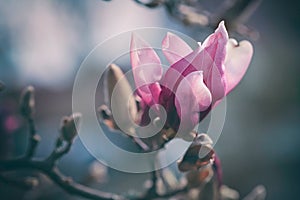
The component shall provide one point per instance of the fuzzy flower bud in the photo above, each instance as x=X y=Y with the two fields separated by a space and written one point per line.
x=27 y=102
x=199 y=154
x=121 y=99
x=68 y=128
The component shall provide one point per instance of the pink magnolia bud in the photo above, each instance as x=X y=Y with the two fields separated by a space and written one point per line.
x=196 y=80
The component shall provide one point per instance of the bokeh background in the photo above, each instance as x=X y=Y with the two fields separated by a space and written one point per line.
x=44 y=42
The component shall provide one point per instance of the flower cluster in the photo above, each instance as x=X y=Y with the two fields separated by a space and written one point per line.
x=195 y=81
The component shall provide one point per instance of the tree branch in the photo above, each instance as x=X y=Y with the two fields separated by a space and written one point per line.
x=57 y=177
x=34 y=139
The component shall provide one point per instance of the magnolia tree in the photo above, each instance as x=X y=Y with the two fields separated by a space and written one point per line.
x=160 y=108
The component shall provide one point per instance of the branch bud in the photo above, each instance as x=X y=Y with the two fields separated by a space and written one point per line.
x=68 y=128
x=27 y=103
x=199 y=154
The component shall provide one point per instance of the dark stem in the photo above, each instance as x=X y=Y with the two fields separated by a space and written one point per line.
x=58 y=153
x=55 y=175
x=34 y=139
x=77 y=189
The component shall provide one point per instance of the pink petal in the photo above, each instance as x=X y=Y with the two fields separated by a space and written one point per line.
x=237 y=61
x=150 y=93
x=213 y=78
x=192 y=96
x=209 y=58
x=174 y=48
x=215 y=45
x=211 y=61
x=178 y=71
x=146 y=68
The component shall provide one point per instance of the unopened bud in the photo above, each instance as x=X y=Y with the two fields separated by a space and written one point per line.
x=27 y=103
x=204 y=139
x=68 y=128
x=199 y=154
x=121 y=99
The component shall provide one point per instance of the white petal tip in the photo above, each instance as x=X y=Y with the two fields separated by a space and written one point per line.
x=222 y=29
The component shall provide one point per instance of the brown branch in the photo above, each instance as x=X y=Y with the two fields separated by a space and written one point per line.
x=74 y=188
x=55 y=175
x=77 y=189
x=193 y=13
x=59 y=152
x=34 y=139
x=49 y=167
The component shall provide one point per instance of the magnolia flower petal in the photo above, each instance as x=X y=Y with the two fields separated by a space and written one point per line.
x=192 y=96
x=237 y=61
x=214 y=79
x=174 y=48
x=178 y=71
x=211 y=61
x=150 y=93
x=202 y=93
x=146 y=67
x=215 y=45
x=208 y=58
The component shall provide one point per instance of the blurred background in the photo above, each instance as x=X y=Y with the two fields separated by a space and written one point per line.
x=43 y=43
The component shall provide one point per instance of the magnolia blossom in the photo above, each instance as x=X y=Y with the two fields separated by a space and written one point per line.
x=196 y=79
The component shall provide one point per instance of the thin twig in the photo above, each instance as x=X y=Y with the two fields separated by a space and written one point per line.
x=34 y=139
x=49 y=167
x=58 y=153
x=74 y=188
x=55 y=175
